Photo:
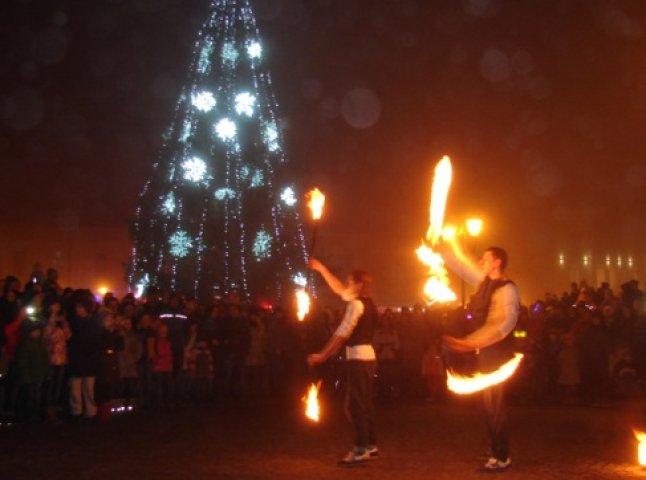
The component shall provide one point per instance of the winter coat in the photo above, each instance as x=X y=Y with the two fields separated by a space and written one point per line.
x=56 y=341
x=130 y=355
x=32 y=361
x=84 y=347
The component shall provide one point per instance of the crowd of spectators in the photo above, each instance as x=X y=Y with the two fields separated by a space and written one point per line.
x=66 y=354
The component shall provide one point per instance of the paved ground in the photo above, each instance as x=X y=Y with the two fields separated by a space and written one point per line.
x=261 y=441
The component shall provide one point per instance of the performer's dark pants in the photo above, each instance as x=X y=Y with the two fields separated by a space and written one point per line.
x=495 y=411
x=358 y=401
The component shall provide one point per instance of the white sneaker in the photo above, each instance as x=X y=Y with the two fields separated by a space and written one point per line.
x=495 y=465
x=354 y=458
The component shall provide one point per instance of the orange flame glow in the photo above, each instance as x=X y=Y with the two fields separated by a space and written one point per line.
x=437 y=287
x=312 y=409
x=439 y=194
x=316 y=203
x=302 y=304
x=641 y=447
x=465 y=385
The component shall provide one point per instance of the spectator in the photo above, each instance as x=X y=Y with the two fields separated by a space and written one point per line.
x=129 y=360
x=162 y=369
x=57 y=333
x=84 y=350
x=32 y=364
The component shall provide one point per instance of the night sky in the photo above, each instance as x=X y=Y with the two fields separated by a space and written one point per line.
x=541 y=105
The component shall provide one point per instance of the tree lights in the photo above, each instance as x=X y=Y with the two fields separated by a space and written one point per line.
x=210 y=216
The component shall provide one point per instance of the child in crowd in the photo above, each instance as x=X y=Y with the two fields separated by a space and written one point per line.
x=108 y=378
x=129 y=362
x=161 y=357
x=57 y=333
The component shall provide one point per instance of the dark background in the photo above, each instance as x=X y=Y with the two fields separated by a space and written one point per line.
x=541 y=105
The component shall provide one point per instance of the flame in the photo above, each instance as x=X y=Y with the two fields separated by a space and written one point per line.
x=439 y=194
x=316 y=203
x=465 y=385
x=641 y=448
x=437 y=288
x=302 y=304
x=312 y=409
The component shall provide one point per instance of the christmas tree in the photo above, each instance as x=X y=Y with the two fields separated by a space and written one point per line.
x=217 y=213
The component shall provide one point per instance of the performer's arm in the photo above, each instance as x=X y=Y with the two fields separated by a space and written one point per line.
x=353 y=312
x=458 y=262
x=502 y=318
x=334 y=283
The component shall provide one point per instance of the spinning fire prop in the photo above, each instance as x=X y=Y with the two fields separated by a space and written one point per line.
x=464 y=385
x=312 y=408
x=437 y=287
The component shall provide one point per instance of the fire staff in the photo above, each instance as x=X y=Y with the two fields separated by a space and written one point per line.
x=494 y=307
x=355 y=332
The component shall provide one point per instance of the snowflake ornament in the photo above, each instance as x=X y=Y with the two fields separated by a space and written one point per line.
x=262 y=246
x=245 y=103
x=194 y=170
x=288 y=196
x=226 y=129
x=229 y=53
x=254 y=50
x=204 y=101
x=180 y=243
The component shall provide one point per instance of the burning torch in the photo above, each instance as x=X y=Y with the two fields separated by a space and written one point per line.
x=316 y=202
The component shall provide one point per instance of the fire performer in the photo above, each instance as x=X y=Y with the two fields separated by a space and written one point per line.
x=355 y=332
x=494 y=307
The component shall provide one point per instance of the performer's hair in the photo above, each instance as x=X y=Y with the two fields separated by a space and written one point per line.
x=364 y=278
x=499 y=254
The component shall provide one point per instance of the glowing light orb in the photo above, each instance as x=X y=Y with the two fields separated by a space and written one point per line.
x=180 y=243
x=288 y=196
x=226 y=129
x=224 y=193
x=194 y=169
x=262 y=246
x=204 y=101
x=254 y=50
x=245 y=103
x=229 y=53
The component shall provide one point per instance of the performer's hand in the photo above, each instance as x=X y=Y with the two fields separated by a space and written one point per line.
x=456 y=344
x=315 y=359
x=316 y=265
